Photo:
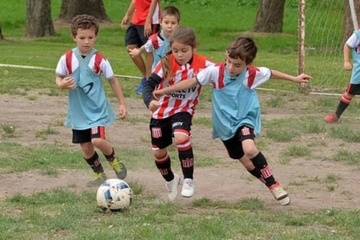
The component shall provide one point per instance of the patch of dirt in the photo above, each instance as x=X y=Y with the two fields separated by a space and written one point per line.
x=304 y=179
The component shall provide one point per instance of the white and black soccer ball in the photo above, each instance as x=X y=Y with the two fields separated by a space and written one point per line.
x=114 y=195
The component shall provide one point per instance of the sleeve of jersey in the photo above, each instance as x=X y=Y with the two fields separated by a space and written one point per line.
x=262 y=75
x=106 y=69
x=208 y=75
x=149 y=87
x=354 y=39
x=61 y=67
x=149 y=44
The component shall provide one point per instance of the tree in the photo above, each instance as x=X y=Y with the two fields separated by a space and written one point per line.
x=348 y=21
x=269 y=17
x=38 y=18
x=71 y=8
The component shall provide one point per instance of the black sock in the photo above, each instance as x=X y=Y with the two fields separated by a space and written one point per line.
x=187 y=162
x=95 y=163
x=111 y=156
x=164 y=166
x=260 y=163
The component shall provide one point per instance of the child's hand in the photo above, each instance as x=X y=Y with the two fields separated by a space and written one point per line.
x=123 y=111
x=303 y=78
x=68 y=83
x=157 y=94
x=347 y=66
x=134 y=52
x=154 y=105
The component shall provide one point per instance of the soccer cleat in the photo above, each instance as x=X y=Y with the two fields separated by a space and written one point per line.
x=280 y=194
x=172 y=187
x=140 y=86
x=119 y=168
x=331 y=118
x=188 y=188
x=97 y=180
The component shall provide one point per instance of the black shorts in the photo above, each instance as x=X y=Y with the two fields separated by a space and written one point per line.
x=83 y=136
x=234 y=144
x=353 y=89
x=135 y=34
x=162 y=130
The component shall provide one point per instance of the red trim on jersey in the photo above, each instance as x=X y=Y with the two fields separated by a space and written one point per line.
x=154 y=40
x=102 y=132
x=221 y=81
x=98 y=58
x=68 y=60
x=252 y=73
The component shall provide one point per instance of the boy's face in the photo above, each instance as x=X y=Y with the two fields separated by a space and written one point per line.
x=168 y=24
x=85 y=40
x=235 y=66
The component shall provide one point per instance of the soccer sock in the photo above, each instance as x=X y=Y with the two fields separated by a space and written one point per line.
x=260 y=163
x=111 y=156
x=256 y=173
x=186 y=157
x=164 y=166
x=343 y=104
x=95 y=163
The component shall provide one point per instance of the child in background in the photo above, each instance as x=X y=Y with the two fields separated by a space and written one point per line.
x=352 y=45
x=236 y=109
x=79 y=70
x=172 y=115
x=145 y=22
x=158 y=43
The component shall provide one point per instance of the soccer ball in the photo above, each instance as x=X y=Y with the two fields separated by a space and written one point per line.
x=114 y=195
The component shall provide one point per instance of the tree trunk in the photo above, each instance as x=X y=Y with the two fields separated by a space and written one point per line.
x=38 y=18
x=71 y=8
x=348 y=22
x=269 y=17
x=1 y=35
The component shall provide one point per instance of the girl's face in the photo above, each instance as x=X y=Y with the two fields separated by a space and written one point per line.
x=235 y=66
x=85 y=40
x=182 y=53
x=168 y=24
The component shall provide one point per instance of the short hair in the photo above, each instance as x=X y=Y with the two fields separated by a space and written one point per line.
x=185 y=35
x=84 y=21
x=243 y=48
x=172 y=11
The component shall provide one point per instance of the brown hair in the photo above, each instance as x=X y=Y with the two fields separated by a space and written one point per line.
x=172 y=11
x=84 y=22
x=243 y=48
x=184 y=35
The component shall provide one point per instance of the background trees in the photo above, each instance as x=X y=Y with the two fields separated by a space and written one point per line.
x=38 y=18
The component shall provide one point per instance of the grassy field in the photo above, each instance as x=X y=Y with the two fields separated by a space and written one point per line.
x=62 y=214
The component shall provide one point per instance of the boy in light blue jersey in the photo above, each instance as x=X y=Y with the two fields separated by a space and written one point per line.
x=79 y=70
x=351 y=47
x=236 y=109
x=158 y=43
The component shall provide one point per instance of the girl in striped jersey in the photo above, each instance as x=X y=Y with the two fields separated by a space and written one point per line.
x=172 y=114
x=236 y=108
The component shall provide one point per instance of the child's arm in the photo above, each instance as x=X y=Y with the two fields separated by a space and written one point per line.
x=347 y=62
x=137 y=51
x=147 y=26
x=65 y=82
x=182 y=85
x=302 y=78
x=115 y=85
x=125 y=21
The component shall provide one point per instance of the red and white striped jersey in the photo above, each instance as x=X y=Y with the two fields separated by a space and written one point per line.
x=180 y=101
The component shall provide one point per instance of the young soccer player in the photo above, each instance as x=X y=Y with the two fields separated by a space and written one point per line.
x=79 y=70
x=236 y=108
x=158 y=43
x=144 y=22
x=171 y=116
x=352 y=46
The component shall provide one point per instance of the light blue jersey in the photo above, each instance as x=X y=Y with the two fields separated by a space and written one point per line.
x=159 y=45
x=235 y=101
x=87 y=104
x=354 y=42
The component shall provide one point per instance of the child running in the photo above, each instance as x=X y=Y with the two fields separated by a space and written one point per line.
x=350 y=47
x=236 y=109
x=158 y=43
x=79 y=70
x=172 y=115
